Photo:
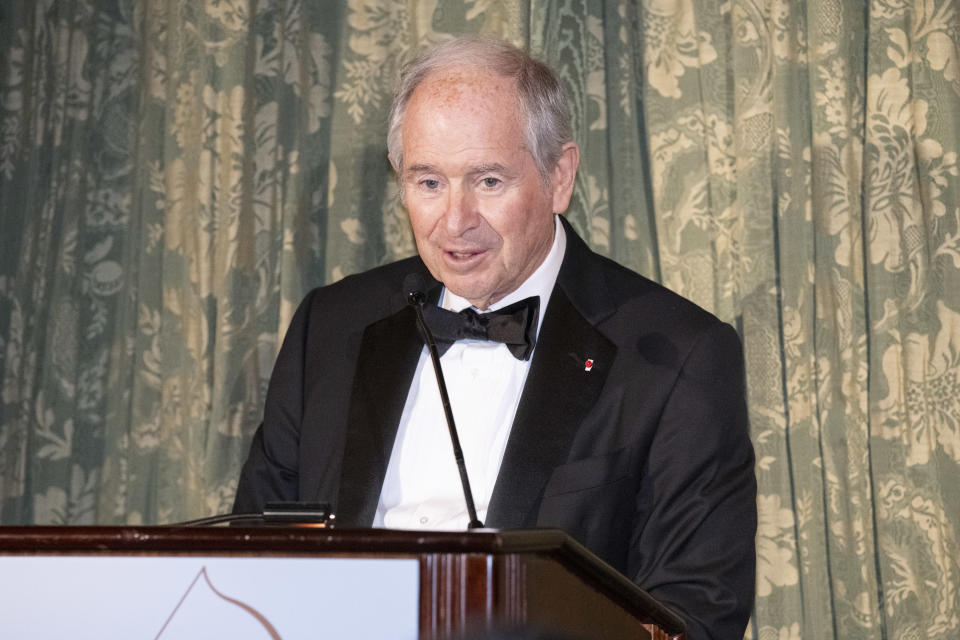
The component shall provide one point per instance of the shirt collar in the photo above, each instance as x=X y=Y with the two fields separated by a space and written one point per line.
x=540 y=283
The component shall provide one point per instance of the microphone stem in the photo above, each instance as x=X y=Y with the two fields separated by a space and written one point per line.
x=448 y=412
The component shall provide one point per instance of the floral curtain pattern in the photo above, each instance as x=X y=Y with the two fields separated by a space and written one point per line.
x=174 y=176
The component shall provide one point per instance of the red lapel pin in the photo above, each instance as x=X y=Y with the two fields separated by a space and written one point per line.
x=588 y=364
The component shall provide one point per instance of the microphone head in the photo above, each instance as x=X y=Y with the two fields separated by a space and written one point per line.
x=413 y=286
x=416 y=298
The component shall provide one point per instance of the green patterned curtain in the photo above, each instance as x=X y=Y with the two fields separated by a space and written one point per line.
x=175 y=175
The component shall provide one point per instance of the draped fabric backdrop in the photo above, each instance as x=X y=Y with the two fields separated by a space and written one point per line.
x=175 y=175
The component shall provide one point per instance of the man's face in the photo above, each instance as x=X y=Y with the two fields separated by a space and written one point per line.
x=481 y=214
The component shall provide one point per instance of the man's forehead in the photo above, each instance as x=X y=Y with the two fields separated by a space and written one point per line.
x=465 y=117
x=451 y=86
x=436 y=151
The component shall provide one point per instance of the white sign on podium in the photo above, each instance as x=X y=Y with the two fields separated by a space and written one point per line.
x=189 y=598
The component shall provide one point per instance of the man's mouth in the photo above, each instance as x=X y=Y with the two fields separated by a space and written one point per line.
x=464 y=255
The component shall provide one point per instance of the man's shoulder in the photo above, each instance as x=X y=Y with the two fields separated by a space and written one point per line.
x=642 y=290
x=624 y=293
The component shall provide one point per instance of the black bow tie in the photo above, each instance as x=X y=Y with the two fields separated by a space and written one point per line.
x=514 y=325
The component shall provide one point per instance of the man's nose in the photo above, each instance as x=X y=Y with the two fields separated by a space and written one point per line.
x=461 y=214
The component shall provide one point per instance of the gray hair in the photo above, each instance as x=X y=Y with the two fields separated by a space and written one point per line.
x=543 y=100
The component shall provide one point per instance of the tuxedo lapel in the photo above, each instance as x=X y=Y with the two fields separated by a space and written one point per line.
x=561 y=388
x=387 y=360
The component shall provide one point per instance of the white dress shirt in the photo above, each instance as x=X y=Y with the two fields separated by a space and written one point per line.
x=422 y=487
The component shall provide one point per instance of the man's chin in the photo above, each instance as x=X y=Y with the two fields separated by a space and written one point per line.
x=478 y=294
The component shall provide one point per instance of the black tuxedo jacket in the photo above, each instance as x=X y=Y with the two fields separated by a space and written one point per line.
x=645 y=458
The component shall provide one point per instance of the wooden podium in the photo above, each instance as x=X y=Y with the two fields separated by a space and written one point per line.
x=472 y=584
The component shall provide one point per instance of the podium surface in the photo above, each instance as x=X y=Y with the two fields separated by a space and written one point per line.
x=465 y=583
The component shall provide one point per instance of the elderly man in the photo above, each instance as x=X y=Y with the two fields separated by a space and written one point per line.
x=618 y=415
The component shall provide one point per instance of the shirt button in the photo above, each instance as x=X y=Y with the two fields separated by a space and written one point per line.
x=424 y=520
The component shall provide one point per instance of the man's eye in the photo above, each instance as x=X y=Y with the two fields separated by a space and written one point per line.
x=430 y=184
x=490 y=183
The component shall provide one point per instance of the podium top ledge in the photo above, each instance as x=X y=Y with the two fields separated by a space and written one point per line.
x=307 y=540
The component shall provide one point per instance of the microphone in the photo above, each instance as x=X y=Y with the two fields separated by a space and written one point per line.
x=416 y=298
x=315 y=514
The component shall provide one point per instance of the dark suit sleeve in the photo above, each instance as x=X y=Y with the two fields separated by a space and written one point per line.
x=694 y=539
x=270 y=472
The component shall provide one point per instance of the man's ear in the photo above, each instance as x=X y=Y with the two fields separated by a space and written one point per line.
x=564 y=174
x=396 y=172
